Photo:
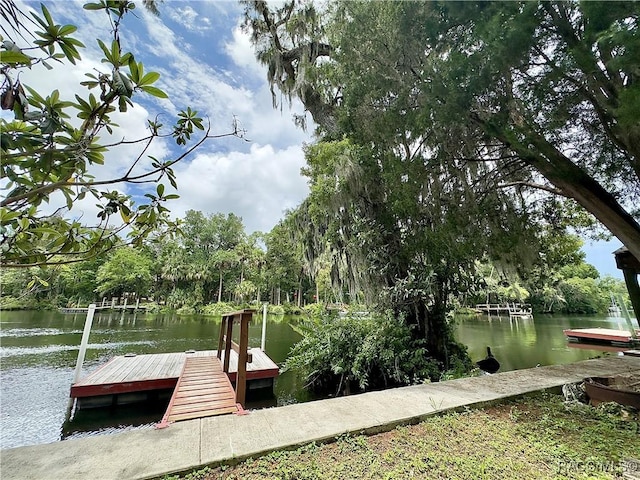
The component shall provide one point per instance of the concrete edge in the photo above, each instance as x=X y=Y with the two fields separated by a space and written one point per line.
x=387 y=427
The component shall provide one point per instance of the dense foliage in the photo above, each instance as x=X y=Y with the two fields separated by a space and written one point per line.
x=53 y=147
x=361 y=351
x=444 y=128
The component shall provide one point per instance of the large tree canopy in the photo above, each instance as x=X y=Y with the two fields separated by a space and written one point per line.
x=545 y=93
x=459 y=120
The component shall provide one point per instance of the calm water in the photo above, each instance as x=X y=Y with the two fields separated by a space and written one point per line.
x=39 y=349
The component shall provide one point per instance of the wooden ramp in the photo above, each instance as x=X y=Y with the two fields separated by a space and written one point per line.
x=203 y=390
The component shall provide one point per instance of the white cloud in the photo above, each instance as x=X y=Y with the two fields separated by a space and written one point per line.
x=240 y=50
x=190 y=19
x=257 y=186
x=256 y=180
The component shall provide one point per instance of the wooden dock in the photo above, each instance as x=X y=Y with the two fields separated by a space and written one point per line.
x=203 y=390
x=131 y=378
x=513 y=309
x=601 y=335
x=121 y=308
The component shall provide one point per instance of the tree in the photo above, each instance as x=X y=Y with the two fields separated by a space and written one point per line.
x=544 y=93
x=52 y=146
x=405 y=236
x=283 y=261
x=414 y=196
x=127 y=270
x=289 y=40
x=204 y=257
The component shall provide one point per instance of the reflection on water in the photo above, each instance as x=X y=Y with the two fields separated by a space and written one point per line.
x=39 y=351
x=524 y=343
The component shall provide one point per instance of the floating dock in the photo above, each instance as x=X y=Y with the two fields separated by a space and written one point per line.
x=129 y=379
x=605 y=336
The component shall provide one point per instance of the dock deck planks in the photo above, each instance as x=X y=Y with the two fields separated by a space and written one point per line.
x=600 y=334
x=203 y=390
x=124 y=374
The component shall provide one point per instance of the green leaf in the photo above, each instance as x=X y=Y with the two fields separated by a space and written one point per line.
x=105 y=50
x=93 y=6
x=156 y=92
x=67 y=30
x=133 y=68
x=160 y=189
x=14 y=58
x=115 y=52
x=47 y=15
x=149 y=78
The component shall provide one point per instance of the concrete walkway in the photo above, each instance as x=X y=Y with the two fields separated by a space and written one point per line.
x=186 y=445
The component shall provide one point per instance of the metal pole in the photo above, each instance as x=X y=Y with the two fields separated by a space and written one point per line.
x=264 y=327
x=84 y=342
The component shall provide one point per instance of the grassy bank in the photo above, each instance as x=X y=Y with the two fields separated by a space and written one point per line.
x=532 y=438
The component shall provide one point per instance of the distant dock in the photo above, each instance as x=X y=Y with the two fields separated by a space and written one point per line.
x=129 y=379
x=106 y=305
x=125 y=308
x=522 y=310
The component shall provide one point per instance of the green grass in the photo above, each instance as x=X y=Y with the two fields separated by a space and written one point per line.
x=532 y=438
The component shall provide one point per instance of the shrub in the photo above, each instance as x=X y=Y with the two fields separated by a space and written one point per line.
x=361 y=352
x=219 y=308
x=314 y=309
x=8 y=302
x=186 y=310
x=275 y=309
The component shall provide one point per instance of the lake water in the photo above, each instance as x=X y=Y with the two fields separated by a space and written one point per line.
x=38 y=352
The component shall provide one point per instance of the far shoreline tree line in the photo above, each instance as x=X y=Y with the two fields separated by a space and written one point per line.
x=213 y=260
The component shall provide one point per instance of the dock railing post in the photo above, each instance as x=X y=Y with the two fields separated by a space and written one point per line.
x=241 y=376
x=227 y=344
x=223 y=326
x=84 y=342
x=263 y=342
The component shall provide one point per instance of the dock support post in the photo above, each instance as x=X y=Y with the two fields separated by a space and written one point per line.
x=84 y=342
x=263 y=342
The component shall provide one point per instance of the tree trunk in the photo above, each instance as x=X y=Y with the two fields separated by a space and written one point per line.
x=220 y=288
x=573 y=182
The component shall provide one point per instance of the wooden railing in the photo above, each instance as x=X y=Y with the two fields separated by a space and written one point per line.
x=225 y=341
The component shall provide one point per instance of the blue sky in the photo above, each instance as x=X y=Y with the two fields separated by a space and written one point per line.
x=206 y=62
x=600 y=255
